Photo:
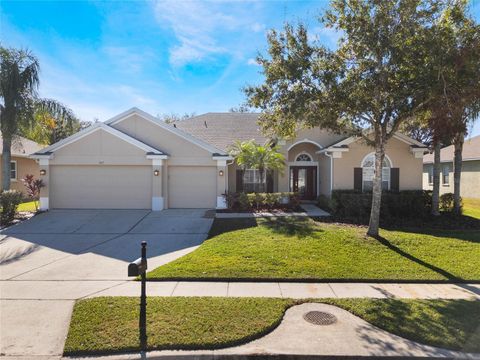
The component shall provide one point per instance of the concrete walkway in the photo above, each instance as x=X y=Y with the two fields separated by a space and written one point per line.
x=297 y=290
x=309 y=210
x=72 y=290
x=348 y=336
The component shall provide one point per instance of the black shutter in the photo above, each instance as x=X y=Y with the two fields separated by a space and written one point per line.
x=239 y=185
x=395 y=179
x=269 y=181
x=357 y=179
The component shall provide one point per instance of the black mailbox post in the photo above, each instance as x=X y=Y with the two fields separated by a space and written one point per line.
x=136 y=268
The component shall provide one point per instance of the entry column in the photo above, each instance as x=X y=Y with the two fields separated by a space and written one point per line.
x=157 y=175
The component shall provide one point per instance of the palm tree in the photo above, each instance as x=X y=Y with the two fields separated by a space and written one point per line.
x=18 y=84
x=264 y=158
x=19 y=81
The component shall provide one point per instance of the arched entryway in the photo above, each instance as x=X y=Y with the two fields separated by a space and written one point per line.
x=303 y=169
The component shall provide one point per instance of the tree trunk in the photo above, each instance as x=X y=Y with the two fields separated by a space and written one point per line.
x=6 y=159
x=374 y=223
x=436 y=179
x=457 y=172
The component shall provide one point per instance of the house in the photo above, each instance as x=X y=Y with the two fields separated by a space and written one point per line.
x=21 y=164
x=470 y=178
x=137 y=161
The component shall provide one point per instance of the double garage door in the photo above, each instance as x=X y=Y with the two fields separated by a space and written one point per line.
x=129 y=187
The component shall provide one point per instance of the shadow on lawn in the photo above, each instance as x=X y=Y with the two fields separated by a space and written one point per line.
x=455 y=327
x=410 y=257
x=292 y=226
x=221 y=226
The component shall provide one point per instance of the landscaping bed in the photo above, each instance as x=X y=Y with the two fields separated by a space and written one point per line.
x=110 y=324
x=301 y=249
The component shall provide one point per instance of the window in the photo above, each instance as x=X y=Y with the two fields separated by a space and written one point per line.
x=445 y=175
x=252 y=181
x=368 y=172
x=430 y=175
x=13 y=170
x=304 y=157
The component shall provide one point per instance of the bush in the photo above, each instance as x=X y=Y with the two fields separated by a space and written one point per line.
x=9 y=200
x=261 y=201
x=353 y=205
x=323 y=202
x=446 y=202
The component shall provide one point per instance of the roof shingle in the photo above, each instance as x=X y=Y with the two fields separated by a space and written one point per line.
x=471 y=151
x=223 y=129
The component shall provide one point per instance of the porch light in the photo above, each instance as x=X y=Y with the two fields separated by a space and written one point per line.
x=43 y=172
x=220 y=173
x=156 y=172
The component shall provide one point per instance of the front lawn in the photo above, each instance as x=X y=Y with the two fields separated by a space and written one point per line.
x=110 y=324
x=471 y=207
x=27 y=206
x=299 y=248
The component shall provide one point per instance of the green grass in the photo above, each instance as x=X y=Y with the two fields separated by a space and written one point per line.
x=27 y=206
x=471 y=207
x=296 y=248
x=110 y=324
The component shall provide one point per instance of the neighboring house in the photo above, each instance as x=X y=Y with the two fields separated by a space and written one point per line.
x=137 y=161
x=470 y=178
x=21 y=164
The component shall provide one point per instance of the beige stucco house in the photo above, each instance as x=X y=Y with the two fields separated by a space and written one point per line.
x=137 y=161
x=21 y=164
x=470 y=177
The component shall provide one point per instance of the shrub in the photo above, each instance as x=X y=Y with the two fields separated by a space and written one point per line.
x=353 y=205
x=323 y=202
x=258 y=201
x=9 y=200
x=446 y=202
x=243 y=201
x=33 y=187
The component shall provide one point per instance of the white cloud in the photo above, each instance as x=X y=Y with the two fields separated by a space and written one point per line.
x=129 y=60
x=258 y=27
x=253 y=62
x=196 y=26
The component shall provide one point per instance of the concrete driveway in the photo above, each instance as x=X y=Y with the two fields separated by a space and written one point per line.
x=57 y=257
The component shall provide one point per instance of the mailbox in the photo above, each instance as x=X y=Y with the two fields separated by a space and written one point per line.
x=138 y=267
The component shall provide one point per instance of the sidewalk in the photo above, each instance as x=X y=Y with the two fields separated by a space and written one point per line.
x=298 y=290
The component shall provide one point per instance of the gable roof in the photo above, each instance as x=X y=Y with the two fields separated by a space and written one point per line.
x=22 y=147
x=471 y=151
x=96 y=127
x=174 y=130
x=223 y=129
x=399 y=136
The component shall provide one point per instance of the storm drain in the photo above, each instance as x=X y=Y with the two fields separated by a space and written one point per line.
x=320 y=318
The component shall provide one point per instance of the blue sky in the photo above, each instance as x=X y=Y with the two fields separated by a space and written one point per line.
x=103 y=57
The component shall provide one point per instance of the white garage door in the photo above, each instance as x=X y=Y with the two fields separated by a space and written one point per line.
x=192 y=187
x=100 y=187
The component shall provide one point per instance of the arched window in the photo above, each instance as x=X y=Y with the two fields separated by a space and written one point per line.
x=304 y=157
x=368 y=172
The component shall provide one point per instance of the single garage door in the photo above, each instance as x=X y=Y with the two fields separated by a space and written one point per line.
x=100 y=187
x=192 y=187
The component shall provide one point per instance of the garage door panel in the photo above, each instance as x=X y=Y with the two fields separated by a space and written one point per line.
x=100 y=187
x=192 y=186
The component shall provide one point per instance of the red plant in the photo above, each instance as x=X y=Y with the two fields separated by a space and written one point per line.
x=33 y=187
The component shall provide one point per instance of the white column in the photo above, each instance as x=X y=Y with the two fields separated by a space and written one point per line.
x=222 y=183
x=44 y=192
x=157 y=198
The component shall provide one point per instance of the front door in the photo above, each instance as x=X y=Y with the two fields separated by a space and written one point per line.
x=303 y=180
